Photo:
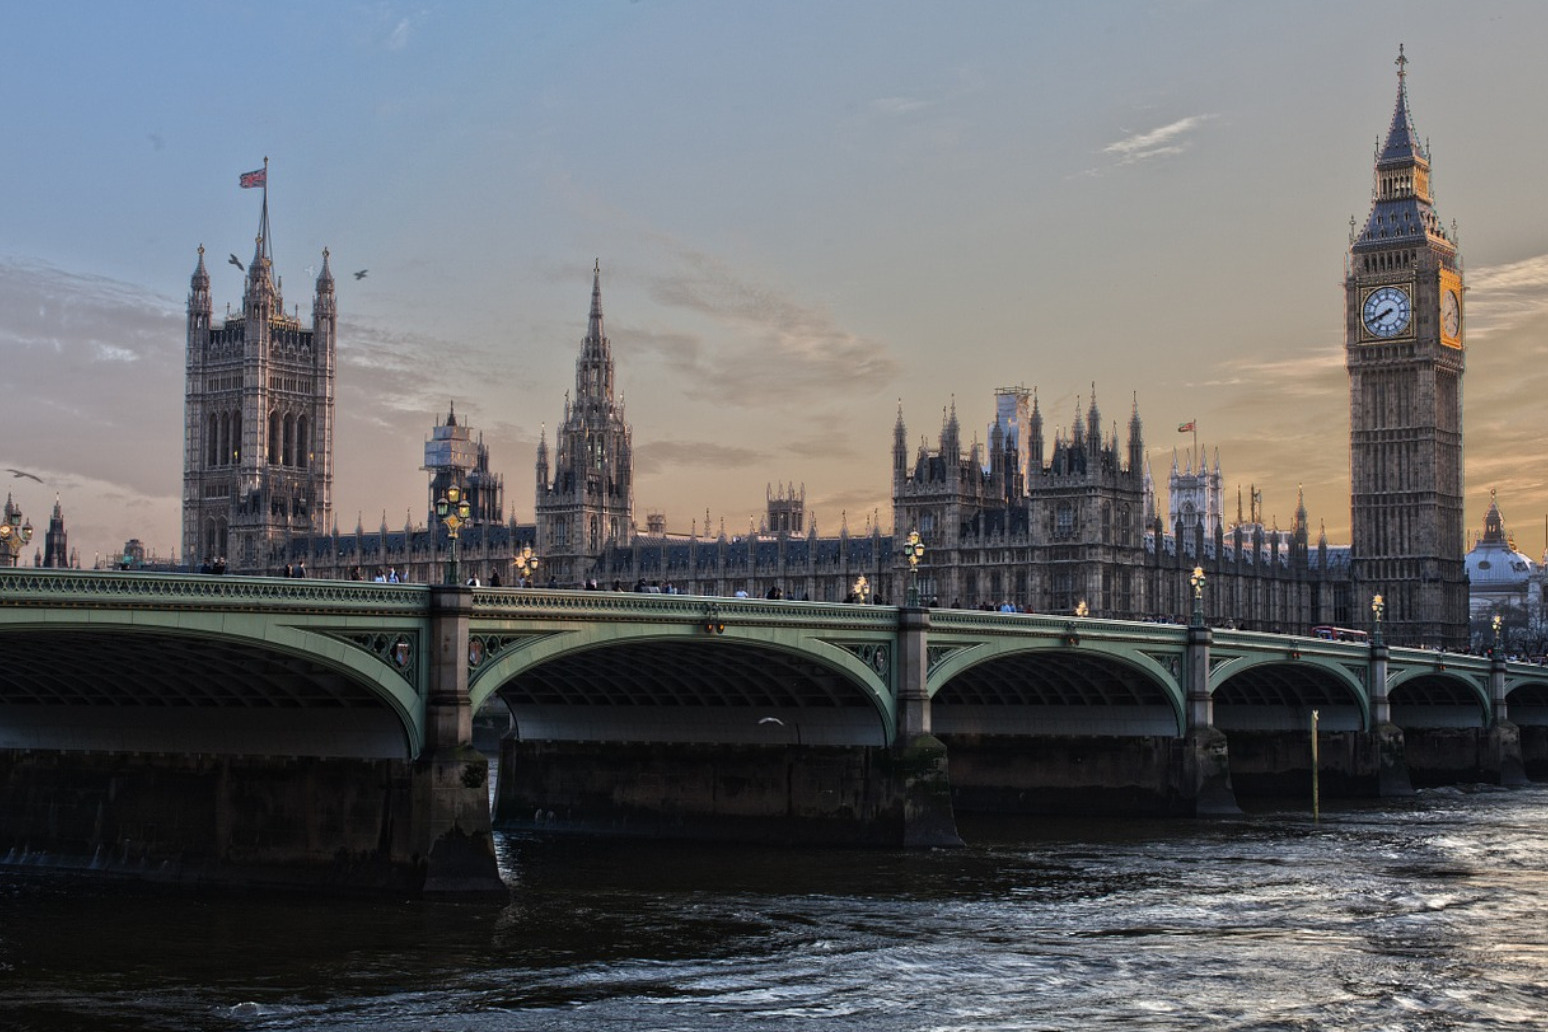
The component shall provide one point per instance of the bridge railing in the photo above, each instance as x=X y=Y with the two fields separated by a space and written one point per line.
x=1049 y=624
x=27 y=586
x=634 y=606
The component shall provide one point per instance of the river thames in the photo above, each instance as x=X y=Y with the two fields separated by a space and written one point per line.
x=1417 y=914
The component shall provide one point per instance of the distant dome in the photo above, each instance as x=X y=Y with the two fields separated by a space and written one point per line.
x=1493 y=565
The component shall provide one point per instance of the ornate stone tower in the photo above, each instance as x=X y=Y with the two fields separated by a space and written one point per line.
x=1194 y=496
x=454 y=456
x=56 y=551
x=588 y=502
x=1404 y=351
x=258 y=410
x=786 y=510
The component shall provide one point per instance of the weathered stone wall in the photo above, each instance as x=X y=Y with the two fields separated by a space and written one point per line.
x=342 y=824
x=807 y=794
x=1534 y=751
x=1117 y=775
x=1446 y=755
x=1279 y=764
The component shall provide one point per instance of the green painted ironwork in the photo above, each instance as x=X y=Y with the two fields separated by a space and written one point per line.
x=377 y=635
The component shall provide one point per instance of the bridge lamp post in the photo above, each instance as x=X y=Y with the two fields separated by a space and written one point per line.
x=1378 y=610
x=913 y=551
x=1496 y=623
x=453 y=510
x=526 y=563
x=861 y=589
x=14 y=535
x=1197 y=580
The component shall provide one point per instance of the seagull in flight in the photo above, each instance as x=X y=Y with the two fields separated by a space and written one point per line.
x=361 y=274
x=23 y=473
x=234 y=260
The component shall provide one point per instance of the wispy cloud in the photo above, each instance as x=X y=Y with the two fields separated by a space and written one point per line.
x=898 y=105
x=99 y=438
x=1164 y=141
x=1309 y=374
x=1155 y=143
x=398 y=36
x=409 y=371
x=781 y=349
x=968 y=81
x=1502 y=296
x=659 y=456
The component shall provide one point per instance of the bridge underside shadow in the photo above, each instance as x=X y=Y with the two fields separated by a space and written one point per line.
x=673 y=691
x=1529 y=712
x=1266 y=715
x=695 y=739
x=154 y=692
x=1448 y=737
x=165 y=755
x=1063 y=732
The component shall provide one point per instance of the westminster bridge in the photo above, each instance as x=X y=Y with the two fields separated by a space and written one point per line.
x=271 y=730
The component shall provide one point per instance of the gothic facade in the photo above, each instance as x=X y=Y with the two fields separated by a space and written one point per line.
x=1066 y=522
x=585 y=502
x=56 y=549
x=258 y=410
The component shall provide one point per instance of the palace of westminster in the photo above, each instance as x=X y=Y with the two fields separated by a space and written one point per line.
x=1063 y=525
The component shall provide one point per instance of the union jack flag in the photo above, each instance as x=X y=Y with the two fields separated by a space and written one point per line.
x=1189 y=427
x=256 y=178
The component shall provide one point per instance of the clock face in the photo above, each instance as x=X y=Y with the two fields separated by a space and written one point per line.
x=1451 y=314
x=1386 y=311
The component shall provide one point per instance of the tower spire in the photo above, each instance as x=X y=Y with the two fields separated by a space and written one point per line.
x=594 y=322
x=1402 y=141
x=1402 y=207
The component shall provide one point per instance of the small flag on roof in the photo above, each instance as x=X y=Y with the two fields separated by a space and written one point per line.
x=258 y=177
x=1189 y=427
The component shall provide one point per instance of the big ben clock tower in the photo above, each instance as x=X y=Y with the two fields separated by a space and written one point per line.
x=1403 y=344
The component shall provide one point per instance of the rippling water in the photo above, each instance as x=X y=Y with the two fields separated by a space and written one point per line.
x=1416 y=915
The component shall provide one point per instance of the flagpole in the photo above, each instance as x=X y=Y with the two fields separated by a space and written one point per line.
x=268 y=251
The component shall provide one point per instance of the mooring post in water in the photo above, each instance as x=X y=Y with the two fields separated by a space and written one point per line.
x=1316 y=808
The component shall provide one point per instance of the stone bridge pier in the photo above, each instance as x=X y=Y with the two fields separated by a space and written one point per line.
x=451 y=816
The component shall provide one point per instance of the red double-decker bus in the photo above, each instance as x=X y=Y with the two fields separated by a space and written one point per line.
x=1328 y=632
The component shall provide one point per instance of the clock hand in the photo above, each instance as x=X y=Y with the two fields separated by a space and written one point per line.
x=1383 y=314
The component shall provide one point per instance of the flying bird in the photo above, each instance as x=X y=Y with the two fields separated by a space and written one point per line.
x=361 y=273
x=23 y=473
x=234 y=260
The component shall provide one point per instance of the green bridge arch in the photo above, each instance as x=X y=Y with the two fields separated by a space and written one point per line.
x=1057 y=671
x=662 y=663
x=174 y=664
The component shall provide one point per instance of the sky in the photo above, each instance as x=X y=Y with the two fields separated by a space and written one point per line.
x=806 y=215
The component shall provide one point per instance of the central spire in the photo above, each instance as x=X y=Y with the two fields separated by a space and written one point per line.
x=594 y=367
x=594 y=324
